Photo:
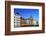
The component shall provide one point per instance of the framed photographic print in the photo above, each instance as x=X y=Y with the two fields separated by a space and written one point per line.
x=24 y=17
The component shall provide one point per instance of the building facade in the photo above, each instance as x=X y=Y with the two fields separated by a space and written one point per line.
x=19 y=21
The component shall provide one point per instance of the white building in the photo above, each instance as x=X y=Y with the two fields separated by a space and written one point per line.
x=31 y=21
x=17 y=20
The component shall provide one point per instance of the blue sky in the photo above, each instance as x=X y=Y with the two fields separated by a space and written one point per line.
x=26 y=13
